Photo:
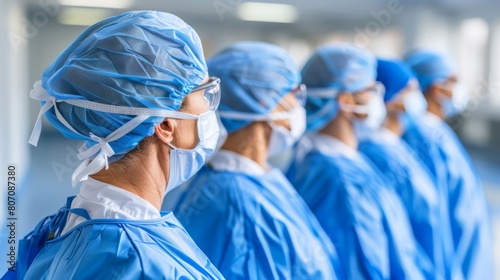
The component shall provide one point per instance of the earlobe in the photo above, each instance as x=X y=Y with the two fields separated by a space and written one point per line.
x=165 y=130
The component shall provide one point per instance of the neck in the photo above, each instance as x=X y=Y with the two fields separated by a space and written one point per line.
x=434 y=107
x=392 y=123
x=341 y=128
x=251 y=142
x=142 y=174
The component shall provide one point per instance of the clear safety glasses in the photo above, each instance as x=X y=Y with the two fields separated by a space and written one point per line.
x=212 y=92
x=365 y=95
x=377 y=89
x=366 y=99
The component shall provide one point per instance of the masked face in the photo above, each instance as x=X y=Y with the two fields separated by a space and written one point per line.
x=195 y=139
x=288 y=130
x=368 y=112
x=287 y=120
x=409 y=104
x=453 y=98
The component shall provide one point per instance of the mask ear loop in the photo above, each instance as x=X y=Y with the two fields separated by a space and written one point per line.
x=102 y=150
x=95 y=157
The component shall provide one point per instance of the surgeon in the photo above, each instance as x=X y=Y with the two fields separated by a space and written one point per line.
x=440 y=149
x=407 y=175
x=135 y=89
x=241 y=211
x=362 y=214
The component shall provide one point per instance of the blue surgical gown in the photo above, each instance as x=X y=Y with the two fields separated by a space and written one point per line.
x=440 y=149
x=362 y=215
x=114 y=249
x=423 y=201
x=255 y=226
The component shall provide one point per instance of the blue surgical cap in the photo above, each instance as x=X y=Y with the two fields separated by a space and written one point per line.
x=255 y=76
x=336 y=68
x=142 y=59
x=394 y=75
x=429 y=68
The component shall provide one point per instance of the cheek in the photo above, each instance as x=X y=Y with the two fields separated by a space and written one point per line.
x=187 y=133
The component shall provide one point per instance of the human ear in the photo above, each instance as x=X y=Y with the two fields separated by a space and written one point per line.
x=165 y=130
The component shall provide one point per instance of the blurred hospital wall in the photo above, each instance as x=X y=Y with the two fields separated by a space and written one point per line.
x=34 y=32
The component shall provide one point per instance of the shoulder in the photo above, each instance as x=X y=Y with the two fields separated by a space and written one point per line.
x=122 y=251
x=320 y=163
x=219 y=189
x=215 y=201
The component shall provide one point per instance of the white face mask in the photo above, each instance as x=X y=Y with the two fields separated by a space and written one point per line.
x=457 y=103
x=363 y=128
x=415 y=103
x=376 y=112
x=415 y=106
x=184 y=163
x=283 y=139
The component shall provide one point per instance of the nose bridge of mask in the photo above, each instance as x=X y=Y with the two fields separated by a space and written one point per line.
x=95 y=157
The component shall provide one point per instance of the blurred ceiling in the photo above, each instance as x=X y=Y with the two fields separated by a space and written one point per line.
x=311 y=12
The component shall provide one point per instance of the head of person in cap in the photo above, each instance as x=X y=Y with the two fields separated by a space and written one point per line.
x=346 y=192
x=438 y=82
x=441 y=150
x=135 y=88
x=403 y=99
x=405 y=172
x=343 y=94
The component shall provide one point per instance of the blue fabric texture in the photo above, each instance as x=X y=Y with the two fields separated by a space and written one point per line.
x=394 y=75
x=113 y=249
x=255 y=227
x=441 y=151
x=337 y=68
x=255 y=77
x=142 y=59
x=429 y=68
x=363 y=216
x=424 y=202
